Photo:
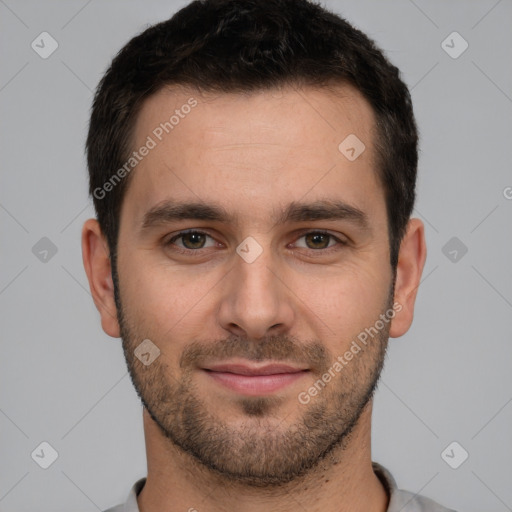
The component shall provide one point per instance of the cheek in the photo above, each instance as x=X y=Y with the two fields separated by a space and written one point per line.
x=166 y=303
x=346 y=303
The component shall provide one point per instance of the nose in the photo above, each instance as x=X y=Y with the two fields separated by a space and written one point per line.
x=256 y=302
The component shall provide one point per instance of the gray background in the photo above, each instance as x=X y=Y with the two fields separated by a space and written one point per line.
x=63 y=381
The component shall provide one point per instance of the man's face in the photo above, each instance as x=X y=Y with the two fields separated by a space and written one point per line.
x=296 y=293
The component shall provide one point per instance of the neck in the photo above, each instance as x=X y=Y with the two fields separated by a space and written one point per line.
x=344 y=481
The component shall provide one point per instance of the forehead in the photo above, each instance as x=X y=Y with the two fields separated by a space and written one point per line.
x=270 y=147
x=287 y=114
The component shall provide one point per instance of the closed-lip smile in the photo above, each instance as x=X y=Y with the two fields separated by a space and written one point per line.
x=252 y=379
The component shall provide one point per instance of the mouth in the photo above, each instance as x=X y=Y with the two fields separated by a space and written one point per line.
x=254 y=380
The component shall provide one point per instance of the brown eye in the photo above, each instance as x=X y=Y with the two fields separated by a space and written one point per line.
x=319 y=240
x=190 y=241
x=193 y=240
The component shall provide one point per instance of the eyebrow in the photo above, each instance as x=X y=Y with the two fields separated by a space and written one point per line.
x=327 y=209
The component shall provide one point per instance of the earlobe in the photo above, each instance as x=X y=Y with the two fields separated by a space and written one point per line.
x=411 y=260
x=95 y=255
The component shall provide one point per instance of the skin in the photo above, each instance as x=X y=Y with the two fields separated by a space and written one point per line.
x=254 y=154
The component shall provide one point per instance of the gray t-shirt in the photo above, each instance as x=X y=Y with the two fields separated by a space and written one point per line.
x=400 y=501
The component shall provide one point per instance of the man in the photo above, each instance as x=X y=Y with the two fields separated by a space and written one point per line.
x=253 y=169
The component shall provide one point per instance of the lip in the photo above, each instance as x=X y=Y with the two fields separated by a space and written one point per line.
x=255 y=380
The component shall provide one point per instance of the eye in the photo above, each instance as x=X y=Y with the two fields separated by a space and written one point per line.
x=319 y=240
x=190 y=240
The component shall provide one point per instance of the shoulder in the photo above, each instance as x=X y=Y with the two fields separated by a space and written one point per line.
x=130 y=505
x=406 y=501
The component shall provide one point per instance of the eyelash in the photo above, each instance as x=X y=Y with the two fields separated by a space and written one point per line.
x=197 y=252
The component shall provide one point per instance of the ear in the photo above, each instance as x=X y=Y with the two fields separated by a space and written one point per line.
x=411 y=260
x=96 y=258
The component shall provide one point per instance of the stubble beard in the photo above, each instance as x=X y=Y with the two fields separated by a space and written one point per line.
x=262 y=450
